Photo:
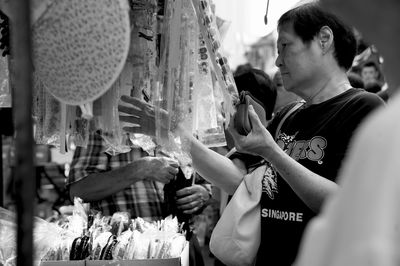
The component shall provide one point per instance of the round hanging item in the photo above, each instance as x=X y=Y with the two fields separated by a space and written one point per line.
x=80 y=47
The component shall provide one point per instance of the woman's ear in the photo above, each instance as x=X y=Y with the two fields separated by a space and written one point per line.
x=325 y=39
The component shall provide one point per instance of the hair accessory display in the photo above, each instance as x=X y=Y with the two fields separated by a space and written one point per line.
x=80 y=47
x=4 y=34
x=208 y=29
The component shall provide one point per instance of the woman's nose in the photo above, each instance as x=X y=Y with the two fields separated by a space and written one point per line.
x=278 y=61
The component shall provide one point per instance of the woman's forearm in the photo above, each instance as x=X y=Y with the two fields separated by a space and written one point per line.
x=215 y=167
x=312 y=188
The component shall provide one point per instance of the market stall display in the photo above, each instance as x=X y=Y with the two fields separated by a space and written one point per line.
x=77 y=88
x=189 y=79
x=80 y=47
x=90 y=236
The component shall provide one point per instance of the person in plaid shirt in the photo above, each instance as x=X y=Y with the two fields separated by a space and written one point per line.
x=132 y=182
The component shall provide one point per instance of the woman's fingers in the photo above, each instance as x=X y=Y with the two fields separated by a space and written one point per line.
x=254 y=119
x=130 y=119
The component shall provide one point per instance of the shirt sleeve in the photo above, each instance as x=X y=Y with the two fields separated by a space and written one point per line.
x=89 y=160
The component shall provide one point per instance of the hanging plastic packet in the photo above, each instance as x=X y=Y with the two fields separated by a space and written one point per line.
x=5 y=92
x=215 y=136
x=106 y=118
x=209 y=30
x=47 y=114
x=204 y=101
x=135 y=78
x=77 y=127
x=174 y=90
x=209 y=116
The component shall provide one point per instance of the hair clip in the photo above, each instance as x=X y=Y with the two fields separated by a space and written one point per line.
x=266 y=14
x=203 y=4
x=216 y=45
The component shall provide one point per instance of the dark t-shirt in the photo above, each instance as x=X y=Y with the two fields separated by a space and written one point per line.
x=317 y=137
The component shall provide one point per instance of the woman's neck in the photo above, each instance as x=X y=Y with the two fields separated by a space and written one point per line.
x=327 y=89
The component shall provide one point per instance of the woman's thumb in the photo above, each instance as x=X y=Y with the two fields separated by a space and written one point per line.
x=254 y=119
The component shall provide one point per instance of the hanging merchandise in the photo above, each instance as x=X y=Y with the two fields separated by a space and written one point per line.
x=173 y=92
x=55 y=121
x=88 y=238
x=135 y=80
x=141 y=66
x=172 y=62
x=188 y=88
x=209 y=115
x=5 y=92
x=208 y=29
x=4 y=34
x=205 y=117
x=80 y=47
x=46 y=111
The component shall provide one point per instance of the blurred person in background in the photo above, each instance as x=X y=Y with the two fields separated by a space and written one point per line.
x=355 y=80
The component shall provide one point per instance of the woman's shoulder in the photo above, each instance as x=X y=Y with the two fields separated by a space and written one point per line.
x=361 y=96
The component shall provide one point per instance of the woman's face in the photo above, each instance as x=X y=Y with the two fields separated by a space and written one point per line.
x=298 y=62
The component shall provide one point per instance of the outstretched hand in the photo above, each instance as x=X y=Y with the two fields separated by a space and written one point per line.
x=141 y=117
x=258 y=142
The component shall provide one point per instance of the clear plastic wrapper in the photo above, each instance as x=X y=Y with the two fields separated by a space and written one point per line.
x=47 y=114
x=188 y=87
x=122 y=245
x=174 y=90
x=5 y=92
x=8 y=236
x=107 y=120
x=214 y=135
x=49 y=240
x=136 y=79
x=95 y=238
x=209 y=30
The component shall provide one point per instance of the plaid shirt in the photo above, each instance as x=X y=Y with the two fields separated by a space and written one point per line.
x=141 y=199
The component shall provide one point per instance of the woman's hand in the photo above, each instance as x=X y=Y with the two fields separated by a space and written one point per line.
x=258 y=142
x=192 y=199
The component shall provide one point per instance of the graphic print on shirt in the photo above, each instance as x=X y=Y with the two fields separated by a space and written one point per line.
x=312 y=150
x=269 y=182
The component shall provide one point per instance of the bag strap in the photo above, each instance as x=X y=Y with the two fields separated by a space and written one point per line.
x=288 y=113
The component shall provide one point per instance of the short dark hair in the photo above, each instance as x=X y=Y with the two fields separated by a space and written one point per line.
x=355 y=80
x=260 y=85
x=373 y=86
x=308 y=19
x=370 y=64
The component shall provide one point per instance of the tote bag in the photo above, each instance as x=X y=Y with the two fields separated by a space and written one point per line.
x=236 y=237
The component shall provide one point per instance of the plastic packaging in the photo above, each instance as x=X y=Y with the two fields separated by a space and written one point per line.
x=5 y=92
